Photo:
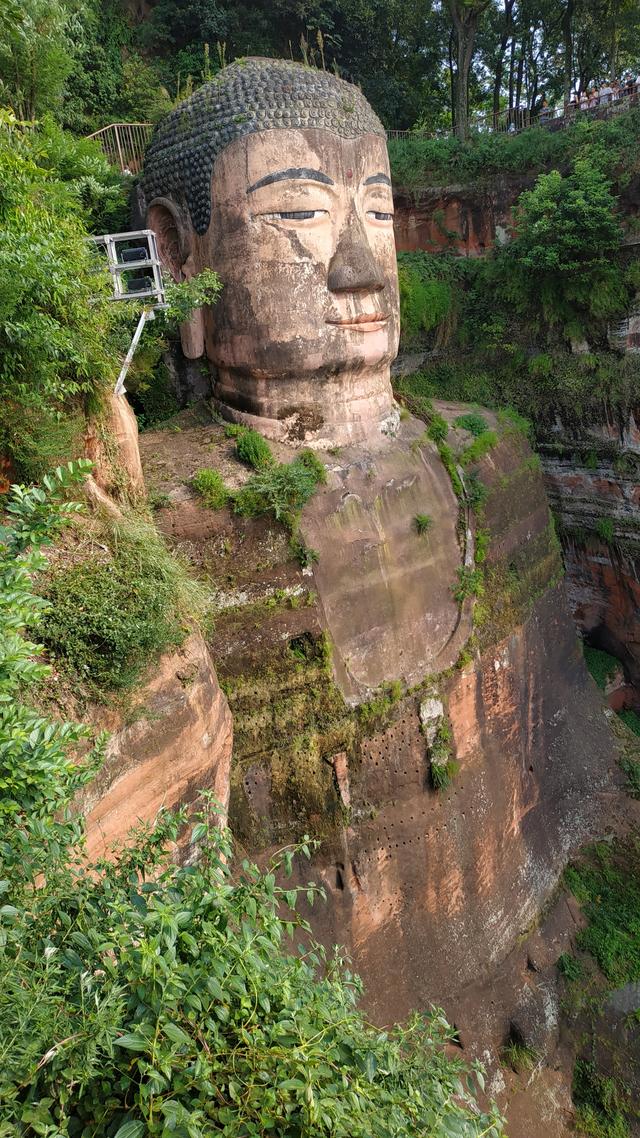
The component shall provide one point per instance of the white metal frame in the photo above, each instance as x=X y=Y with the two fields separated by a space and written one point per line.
x=111 y=242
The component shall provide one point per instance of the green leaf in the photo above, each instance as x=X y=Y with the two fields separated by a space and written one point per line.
x=131 y=1129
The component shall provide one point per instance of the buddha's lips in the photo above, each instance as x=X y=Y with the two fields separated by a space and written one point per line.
x=364 y=321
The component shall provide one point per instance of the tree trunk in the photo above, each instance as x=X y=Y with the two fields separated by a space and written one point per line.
x=567 y=35
x=452 y=81
x=497 y=83
x=466 y=17
x=512 y=60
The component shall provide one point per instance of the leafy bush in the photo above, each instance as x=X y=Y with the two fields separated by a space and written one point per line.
x=470 y=584
x=438 y=428
x=607 y=886
x=605 y=529
x=477 y=450
x=38 y=772
x=569 y=966
x=562 y=261
x=281 y=490
x=423 y=523
x=106 y=617
x=253 y=449
x=601 y=665
x=427 y=294
x=209 y=484
x=56 y=324
x=473 y=422
x=612 y=145
x=600 y=1102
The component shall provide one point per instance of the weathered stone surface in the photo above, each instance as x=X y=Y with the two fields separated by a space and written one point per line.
x=597 y=501
x=177 y=743
x=385 y=589
x=277 y=177
x=468 y=220
x=112 y=445
x=432 y=891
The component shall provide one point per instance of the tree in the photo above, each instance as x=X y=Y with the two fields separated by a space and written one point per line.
x=36 y=55
x=466 y=16
x=561 y=263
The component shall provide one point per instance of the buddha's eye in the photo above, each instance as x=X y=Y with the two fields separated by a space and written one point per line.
x=380 y=215
x=294 y=215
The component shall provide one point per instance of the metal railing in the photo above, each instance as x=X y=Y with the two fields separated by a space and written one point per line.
x=124 y=144
x=520 y=118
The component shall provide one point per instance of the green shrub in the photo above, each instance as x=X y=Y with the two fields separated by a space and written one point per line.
x=605 y=530
x=519 y=1056
x=562 y=261
x=607 y=886
x=600 y=1102
x=438 y=428
x=423 y=523
x=427 y=293
x=107 y=617
x=476 y=491
x=282 y=490
x=209 y=484
x=570 y=967
x=601 y=665
x=632 y=720
x=470 y=584
x=442 y=774
x=254 y=450
x=473 y=422
x=314 y=465
x=478 y=448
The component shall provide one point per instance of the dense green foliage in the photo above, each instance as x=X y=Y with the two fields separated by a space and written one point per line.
x=281 y=490
x=137 y=997
x=37 y=772
x=562 y=262
x=57 y=327
x=427 y=294
x=607 y=885
x=601 y=665
x=611 y=144
x=253 y=449
x=109 y=614
x=209 y=484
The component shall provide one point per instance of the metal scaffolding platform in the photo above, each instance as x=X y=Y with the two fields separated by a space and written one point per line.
x=136 y=274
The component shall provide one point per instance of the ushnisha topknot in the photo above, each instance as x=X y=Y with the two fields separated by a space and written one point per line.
x=248 y=96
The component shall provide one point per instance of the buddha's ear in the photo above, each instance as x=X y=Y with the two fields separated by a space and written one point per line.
x=174 y=236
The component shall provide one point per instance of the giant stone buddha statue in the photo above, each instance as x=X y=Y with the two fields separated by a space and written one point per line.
x=276 y=175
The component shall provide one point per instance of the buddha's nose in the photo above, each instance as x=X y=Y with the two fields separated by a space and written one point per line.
x=353 y=267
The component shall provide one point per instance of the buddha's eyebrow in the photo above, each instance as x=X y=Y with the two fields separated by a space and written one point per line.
x=386 y=181
x=294 y=172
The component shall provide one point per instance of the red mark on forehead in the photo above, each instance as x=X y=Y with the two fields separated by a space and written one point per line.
x=349 y=173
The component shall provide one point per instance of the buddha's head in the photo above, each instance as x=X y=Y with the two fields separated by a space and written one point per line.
x=276 y=175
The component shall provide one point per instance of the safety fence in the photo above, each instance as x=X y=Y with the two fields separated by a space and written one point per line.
x=124 y=144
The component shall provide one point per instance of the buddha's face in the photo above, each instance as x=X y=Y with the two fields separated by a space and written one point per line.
x=302 y=238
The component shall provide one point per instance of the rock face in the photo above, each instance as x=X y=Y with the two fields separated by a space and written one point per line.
x=593 y=484
x=112 y=444
x=431 y=890
x=178 y=742
x=385 y=591
x=468 y=220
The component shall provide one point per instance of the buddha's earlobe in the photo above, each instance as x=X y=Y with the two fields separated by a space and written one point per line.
x=192 y=330
x=173 y=236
